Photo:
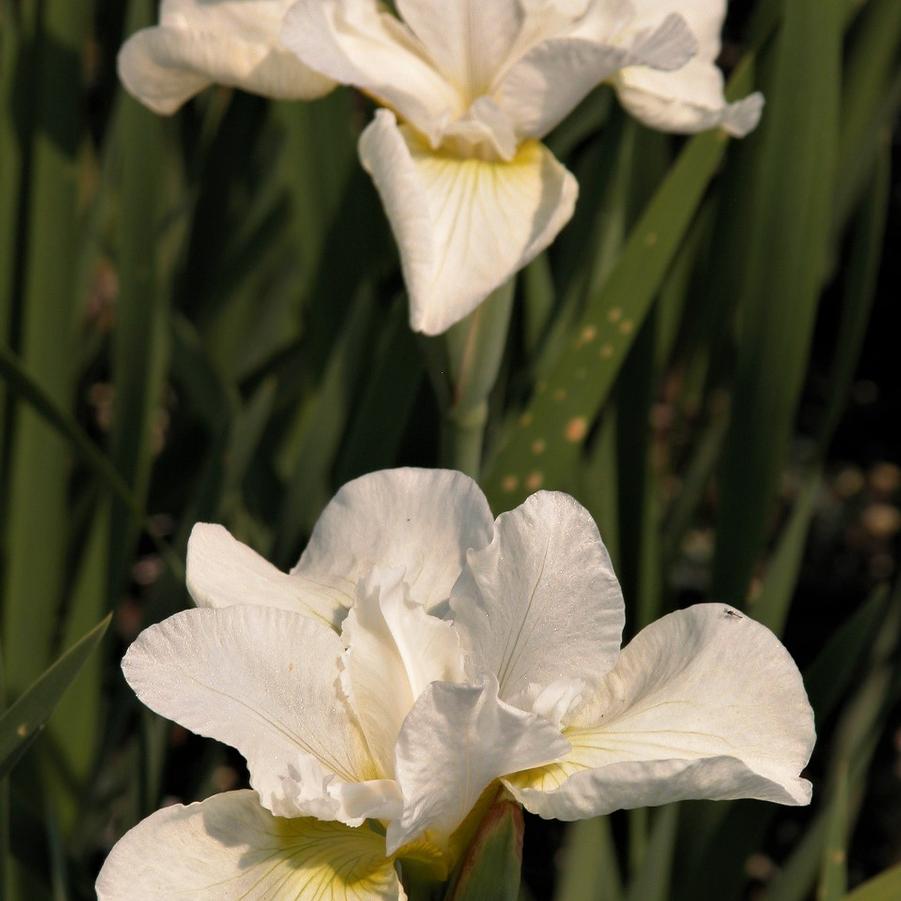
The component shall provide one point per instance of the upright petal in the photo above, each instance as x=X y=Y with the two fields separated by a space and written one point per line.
x=540 y=89
x=229 y=848
x=231 y=42
x=456 y=740
x=541 y=606
x=223 y=572
x=704 y=703
x=690 y=99
x=419 y=520
x=394 y=651
x=266 y=682
x=469 y=40
x=463 y=226
x=358 y=43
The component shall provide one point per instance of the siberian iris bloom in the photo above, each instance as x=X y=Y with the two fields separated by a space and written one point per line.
x=420 y=658
x=467 y=90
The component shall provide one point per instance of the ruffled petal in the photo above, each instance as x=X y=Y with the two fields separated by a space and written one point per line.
x=394 y=651
x=266 y=682
x=231 y=42
x=463 y=226
x=704 y=703
x=223 y=572
x=356 y=42
x=541 y=89
x=419 y=520
x=229 y=848
x=455 y=742
x=690 y=99
x=541 y=606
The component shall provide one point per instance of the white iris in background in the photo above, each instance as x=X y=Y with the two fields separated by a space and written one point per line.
x=420 y=656
x=469 y=88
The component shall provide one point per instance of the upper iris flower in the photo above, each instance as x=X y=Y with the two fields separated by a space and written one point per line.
x=418 y=657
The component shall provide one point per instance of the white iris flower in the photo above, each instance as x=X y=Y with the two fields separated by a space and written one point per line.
x=419 y=657
x=469 y=88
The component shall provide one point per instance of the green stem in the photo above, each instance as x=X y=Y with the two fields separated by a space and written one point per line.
x=475 y=348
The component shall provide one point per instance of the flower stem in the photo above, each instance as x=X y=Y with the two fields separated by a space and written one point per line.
x=475 y=348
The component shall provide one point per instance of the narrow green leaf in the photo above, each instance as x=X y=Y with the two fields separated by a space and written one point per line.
x=834 y=866
x=29 y=714
x=772 y=605
x=565 y=404
x=652 y=882
x=791 y=179
x=39 y=466
x=884 y=887
x=587 y=869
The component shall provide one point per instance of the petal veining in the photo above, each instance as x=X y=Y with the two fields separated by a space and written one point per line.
x=541 y=606
x=456 y=740
x=419 y=520
x=230 y=42
x=266 y=682
x=229 y=848
x=703 y=703
x=463 y=226
x=223 y=572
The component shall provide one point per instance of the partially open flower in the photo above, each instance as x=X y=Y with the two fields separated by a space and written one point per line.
x=421 y=655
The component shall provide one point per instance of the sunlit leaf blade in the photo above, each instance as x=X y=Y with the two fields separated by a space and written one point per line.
x=558 y=418
x=20 y=723
x=783 y=248
x=834 y=866
x=884 y=887
x=652 y=882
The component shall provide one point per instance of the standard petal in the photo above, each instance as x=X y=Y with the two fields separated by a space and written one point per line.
x=704 y=703
x=456 y=740
x=469 y=40
x=356 y=42
x=266 y=682
x=463 y=226
x=686 y=101
x=540 y=90
x=541 y=606
x=223 y=572
x=228 y=848
x=420 y=520
x=690 y=99
x=231 y=42
x=394 y=651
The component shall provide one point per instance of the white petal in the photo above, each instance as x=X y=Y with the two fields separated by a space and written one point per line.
x=231 y=42
x=456 y=740
x=463 y=226
x=469 y=40
x=541 y=604
x=704 y=703
x=420 y=520
x=357 y=43
x=690 y=99
x=229 y=848
x=686 y=101
x=266 y=682
x=542 y=88
x=395 y=649
x=223 y=572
